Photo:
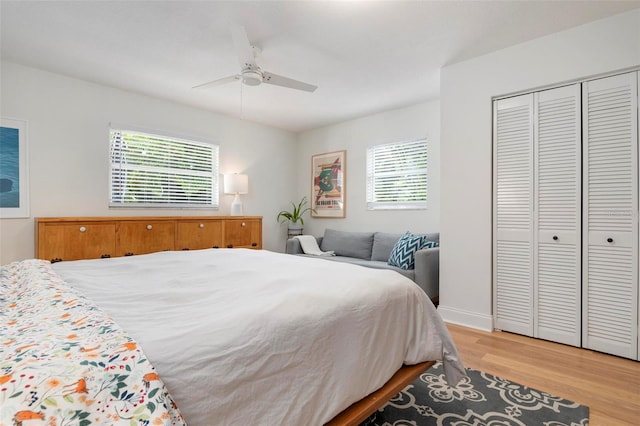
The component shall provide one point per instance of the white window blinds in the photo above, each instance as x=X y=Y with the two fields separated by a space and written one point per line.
x=397 y=176
x=158 y=171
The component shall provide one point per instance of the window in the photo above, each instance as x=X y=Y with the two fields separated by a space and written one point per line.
x=158 y=171
x=397 y=176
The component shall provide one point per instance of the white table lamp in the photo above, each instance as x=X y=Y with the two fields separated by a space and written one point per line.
x=236 y=184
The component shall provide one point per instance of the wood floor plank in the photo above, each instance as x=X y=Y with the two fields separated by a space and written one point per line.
x=609 y=385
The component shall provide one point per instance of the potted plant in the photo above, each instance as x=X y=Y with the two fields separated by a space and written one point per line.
x=295 y=216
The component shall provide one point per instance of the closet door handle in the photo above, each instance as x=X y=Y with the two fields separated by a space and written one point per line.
x=555 y=238
x=609 y=240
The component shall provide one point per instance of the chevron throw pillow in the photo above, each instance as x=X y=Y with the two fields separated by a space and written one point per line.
x=404 y=251
x=430 y=244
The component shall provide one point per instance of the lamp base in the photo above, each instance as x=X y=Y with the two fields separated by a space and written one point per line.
x=236 y=206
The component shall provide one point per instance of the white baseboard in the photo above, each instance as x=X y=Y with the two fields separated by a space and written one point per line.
x=466 y=318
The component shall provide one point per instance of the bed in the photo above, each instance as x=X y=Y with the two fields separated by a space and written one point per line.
x=205 y=337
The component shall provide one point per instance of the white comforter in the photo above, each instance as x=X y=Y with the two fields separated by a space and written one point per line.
x=260 y=338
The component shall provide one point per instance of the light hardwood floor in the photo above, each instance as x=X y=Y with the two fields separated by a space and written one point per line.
x=609 y=385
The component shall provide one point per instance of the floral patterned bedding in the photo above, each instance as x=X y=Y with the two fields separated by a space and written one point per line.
x=63 y=361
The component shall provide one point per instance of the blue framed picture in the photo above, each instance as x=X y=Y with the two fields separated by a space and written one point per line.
x=14 y=186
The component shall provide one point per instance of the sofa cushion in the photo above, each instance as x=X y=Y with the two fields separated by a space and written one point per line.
x=351 y=244
x=409 y=273
x=383 y=243
x=403 y=252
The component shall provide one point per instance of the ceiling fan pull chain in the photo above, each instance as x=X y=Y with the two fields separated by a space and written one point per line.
x=241 y=111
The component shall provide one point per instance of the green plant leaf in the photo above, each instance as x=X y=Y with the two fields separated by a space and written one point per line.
x=50 y=401
x=297 y=212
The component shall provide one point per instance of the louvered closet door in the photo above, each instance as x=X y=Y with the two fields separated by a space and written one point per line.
x=610 y=250
x=557 y=218
x=513 y=214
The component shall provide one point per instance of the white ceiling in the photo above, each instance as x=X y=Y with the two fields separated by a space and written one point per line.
x=365 y=56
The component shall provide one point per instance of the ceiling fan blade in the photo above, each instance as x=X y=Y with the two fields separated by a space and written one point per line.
x=278 y=80
x=244 y=51
x=219 y=82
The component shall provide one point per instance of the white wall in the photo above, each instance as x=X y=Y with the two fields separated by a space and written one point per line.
x=354 y=136
x=68 y=123
x=466 y=92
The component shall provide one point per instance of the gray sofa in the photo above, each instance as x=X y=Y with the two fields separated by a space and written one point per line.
x=372 y=249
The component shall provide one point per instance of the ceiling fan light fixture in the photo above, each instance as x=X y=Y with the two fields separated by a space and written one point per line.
x=251 y=77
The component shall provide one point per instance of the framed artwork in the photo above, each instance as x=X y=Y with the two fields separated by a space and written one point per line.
x=328 y=175
x=14 y=185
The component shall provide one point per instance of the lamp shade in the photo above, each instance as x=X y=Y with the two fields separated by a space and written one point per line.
x=236 y=184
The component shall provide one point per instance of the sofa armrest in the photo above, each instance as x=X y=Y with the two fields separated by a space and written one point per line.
x=427 y=271
x=294 y=247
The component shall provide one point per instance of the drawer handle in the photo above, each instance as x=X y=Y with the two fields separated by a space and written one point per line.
x=186 y=248
x=105 y=256
x=83 y=229
x=149 y=227
x=215 y=247
x=609 y=240
x=56 y=259
x=254 y=244
x=229 y=245
x=244 y=224
x=201 y=225
x=128 y=253
x=555 y=238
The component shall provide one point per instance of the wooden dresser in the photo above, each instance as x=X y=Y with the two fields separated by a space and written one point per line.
x=73 y=238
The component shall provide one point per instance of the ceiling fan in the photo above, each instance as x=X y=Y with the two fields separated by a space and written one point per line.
x=250 y=73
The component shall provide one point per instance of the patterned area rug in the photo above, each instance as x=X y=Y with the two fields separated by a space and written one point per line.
x=480 y=399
